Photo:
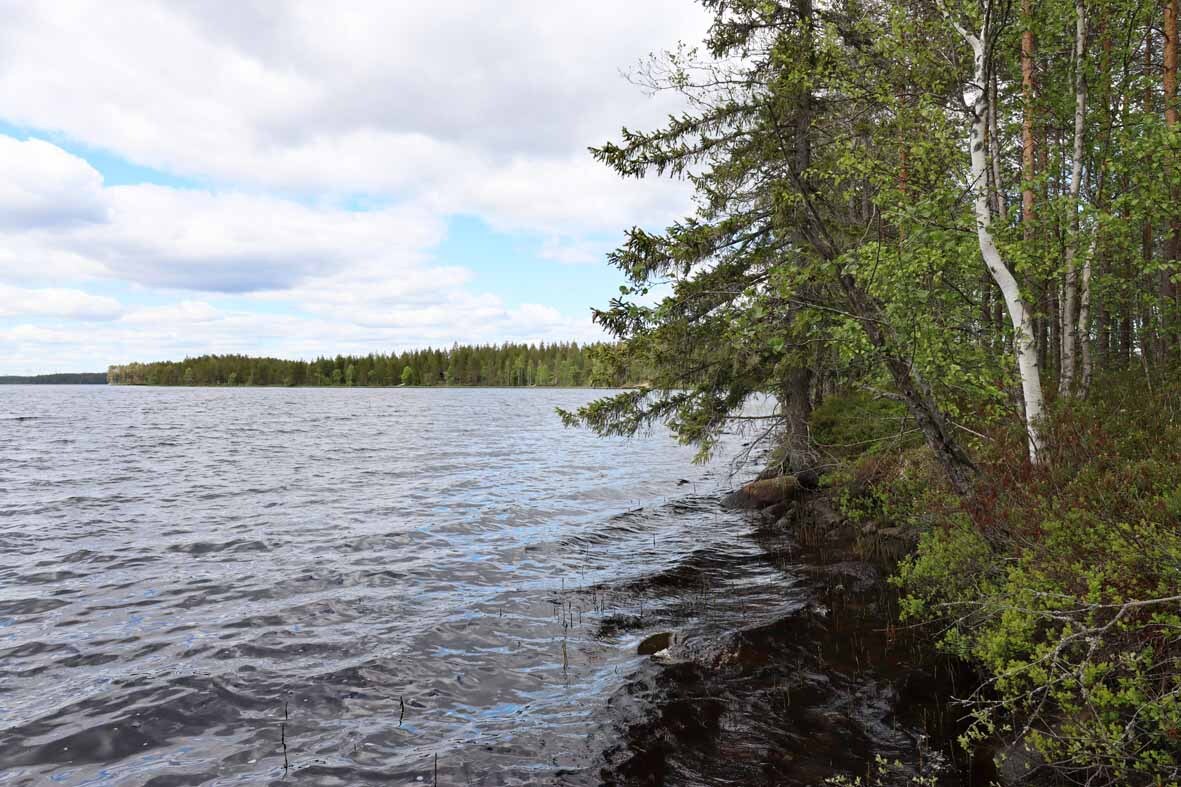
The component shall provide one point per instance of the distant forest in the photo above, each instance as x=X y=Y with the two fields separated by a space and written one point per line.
x=86 y=378
x=565 y=365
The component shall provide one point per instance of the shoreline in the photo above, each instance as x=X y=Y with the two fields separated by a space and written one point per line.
x=832 y=690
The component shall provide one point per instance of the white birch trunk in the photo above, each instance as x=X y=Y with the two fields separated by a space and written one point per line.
x=1084 y=320
x=1070 y=332
x=994 y=152
x=976 y=98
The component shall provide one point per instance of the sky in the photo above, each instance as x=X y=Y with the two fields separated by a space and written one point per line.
x=303 y=178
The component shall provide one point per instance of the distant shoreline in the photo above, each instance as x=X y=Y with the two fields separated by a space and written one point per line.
x=82 y=378
x=440 y=386
x=562 y=365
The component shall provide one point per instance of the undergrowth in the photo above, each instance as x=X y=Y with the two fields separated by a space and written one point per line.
x=1062 y=582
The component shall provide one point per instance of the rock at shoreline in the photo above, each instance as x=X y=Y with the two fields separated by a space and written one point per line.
x=763 y=492
x=655 y=643
x=808 y=478
x=856 y=575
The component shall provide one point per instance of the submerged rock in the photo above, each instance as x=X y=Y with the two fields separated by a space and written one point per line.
x=856 y=575
x=655 y=643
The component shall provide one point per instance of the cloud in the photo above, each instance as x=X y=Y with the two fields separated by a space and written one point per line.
x=45 y=187
x=574 y=251
x=60 y=214
x=233 y=242
x=483 y=106
x=280 y=119
x=54 y=302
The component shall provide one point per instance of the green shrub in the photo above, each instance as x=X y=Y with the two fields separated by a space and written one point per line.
x=1063 y=583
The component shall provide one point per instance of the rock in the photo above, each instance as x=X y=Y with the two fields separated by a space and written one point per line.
x=856 y=575
x=809 y=479
x=655 y=643
x=818 y=510
x=1017 y=764
x=763 y=493
x=869 y=528
x=776 y=512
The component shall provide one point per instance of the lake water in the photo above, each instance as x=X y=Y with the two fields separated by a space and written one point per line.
x=397 y=573
x=339 y=586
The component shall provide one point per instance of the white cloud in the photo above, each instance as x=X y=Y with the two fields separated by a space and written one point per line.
x=43 y=186
x=231 y=242
x=283 y=115
x=485 y=106
x=573 y=251
x=197 y=240
x=187 y=313
x=56 y=302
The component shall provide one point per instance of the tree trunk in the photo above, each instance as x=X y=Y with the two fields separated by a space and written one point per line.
x=1070 y=329
x=796 y=406
x=1147 y=337
x=1028 y=172
x=994 y=152
x=1084 y=321
x=1173 y=246
x=961 y=472
x=1019 y=313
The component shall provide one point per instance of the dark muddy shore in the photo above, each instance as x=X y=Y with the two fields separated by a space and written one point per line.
x=796 y=696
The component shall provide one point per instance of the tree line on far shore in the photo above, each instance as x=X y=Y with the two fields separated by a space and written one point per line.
x=84 y=378
x=558 y=364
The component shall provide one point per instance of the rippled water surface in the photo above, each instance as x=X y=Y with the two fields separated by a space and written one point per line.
x=327 y=586
x=408 y=586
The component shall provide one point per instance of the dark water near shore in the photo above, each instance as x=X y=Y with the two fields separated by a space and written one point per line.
x=256 y=586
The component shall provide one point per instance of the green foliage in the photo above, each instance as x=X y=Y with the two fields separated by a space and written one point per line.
x=1064 y=584
x=892 y=773
x=853 y=423
x=85 y=378
x=559 y=364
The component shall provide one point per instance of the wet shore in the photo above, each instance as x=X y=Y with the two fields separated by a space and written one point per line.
x=829 y=687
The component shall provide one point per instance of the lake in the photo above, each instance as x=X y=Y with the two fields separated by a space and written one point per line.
x=376 y=586
x=389 y=575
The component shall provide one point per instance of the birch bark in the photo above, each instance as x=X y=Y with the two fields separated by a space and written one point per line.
x=976 y=100
x=1070 y=328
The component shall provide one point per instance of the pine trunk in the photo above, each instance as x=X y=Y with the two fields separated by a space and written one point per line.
x=1173 y=246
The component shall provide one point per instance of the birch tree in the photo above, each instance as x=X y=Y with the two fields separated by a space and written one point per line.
x=1072 y=330
x=975 y=97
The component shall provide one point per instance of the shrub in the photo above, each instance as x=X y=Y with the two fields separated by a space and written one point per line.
x=1064 y=584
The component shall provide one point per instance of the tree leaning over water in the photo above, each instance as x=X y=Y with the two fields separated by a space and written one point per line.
x=876 y=184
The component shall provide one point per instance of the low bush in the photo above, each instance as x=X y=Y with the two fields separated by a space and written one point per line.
x=1061 y=582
